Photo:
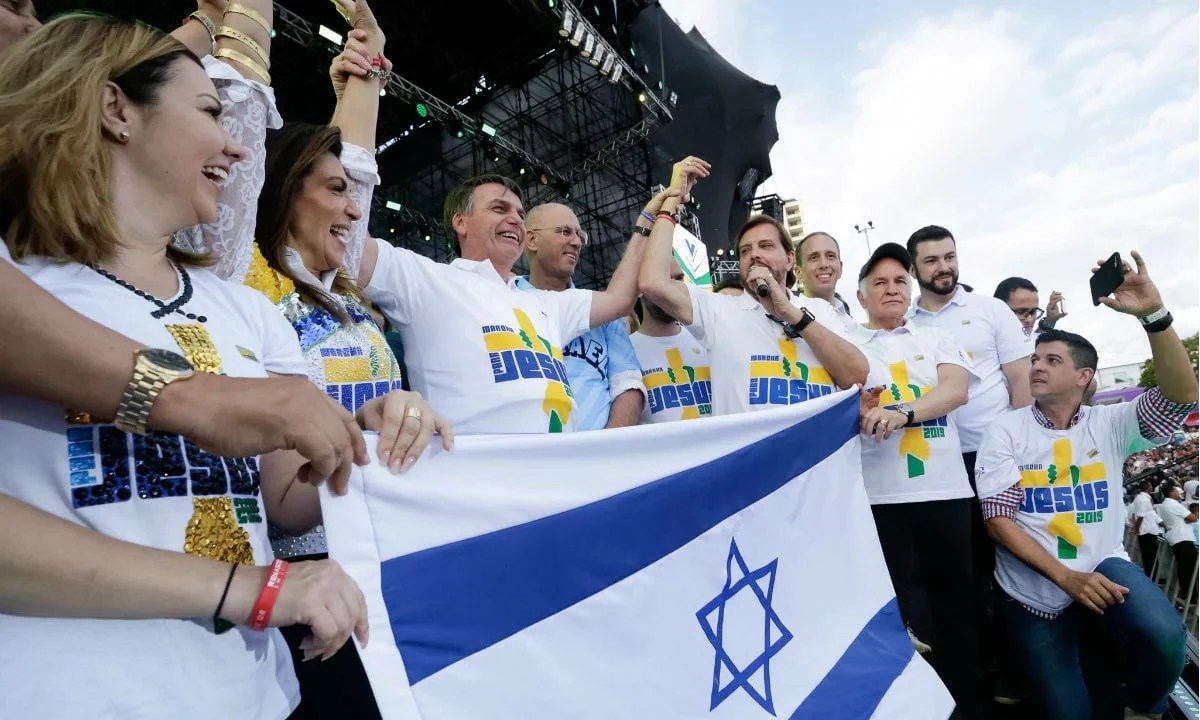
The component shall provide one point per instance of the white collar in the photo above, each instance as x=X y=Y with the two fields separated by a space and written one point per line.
x=958 y=298
x=482 y=268
x=302 y=273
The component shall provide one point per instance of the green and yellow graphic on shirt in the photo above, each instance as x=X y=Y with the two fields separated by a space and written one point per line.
x=686 y=387
x=914 y=443
x=784 y=380
x=1074 y=495
x=521 y=354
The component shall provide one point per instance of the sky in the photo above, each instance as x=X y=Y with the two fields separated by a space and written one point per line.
x=1045 y=136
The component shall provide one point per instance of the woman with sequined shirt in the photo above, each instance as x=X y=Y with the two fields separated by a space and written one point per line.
x=304 y=219
x=110 y=141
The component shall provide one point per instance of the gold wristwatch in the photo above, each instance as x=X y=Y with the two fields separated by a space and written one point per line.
x=153 y=370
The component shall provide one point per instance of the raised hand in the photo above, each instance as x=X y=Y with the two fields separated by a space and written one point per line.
x=1137 y=295
x=685 y=174
x=353 y=60
x=360 y=16
x=1054 y=308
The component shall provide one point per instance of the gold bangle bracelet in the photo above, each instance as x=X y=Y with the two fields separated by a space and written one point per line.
x=251 y=13
x=243 y=59
x=243 y=38
x=207 y=23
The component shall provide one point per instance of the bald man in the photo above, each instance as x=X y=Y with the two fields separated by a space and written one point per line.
x=602 y=366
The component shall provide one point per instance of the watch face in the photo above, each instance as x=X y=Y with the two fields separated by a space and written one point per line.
x=167 y=360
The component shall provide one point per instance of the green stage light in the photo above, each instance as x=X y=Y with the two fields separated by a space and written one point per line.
x=422 y=109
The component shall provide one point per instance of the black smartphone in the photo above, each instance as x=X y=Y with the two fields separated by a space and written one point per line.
x=1108 y=278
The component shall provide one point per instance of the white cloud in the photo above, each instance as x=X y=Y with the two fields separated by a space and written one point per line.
x=1043 y=147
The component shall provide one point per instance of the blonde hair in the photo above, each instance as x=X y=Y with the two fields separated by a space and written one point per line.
x=55 y=167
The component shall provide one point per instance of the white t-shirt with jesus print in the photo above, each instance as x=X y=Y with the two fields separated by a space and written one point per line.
x=486 y=356
x=157 y=490
x=921 y=462
x=754 y=365
x=676 y=375
x=1070 y=482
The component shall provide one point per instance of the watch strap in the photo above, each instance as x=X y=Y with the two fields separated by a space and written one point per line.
x=133 y=410
x=641 y=230
x=1155 y=316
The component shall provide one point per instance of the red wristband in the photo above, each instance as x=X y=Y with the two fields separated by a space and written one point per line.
x=668 y=216
x=261 y=614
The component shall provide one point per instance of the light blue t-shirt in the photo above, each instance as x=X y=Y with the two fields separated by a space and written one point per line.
x=601 y=364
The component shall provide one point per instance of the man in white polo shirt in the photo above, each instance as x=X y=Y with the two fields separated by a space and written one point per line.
x=984 y=327
x=768 y=348
x=819 y=265
x=1050 y=481
x=487 y=355
x=914 y=471
x=675 y=368
x=1146 y=525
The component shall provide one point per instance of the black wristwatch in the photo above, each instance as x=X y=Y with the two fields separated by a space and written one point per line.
x=1157 y=321
x=793 y=330
x=643 y=231
x=907 y=410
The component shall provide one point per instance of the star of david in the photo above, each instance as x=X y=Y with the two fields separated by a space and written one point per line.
x=761 y=584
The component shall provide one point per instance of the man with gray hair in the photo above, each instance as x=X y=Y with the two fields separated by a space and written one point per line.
x=488 y=355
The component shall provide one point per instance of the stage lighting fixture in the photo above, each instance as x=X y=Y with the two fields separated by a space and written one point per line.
x=330 y=35
x=428 y=238
x=597 y=56
x=272 y=33
x=618 y=70
x=577 y=36
x=392 y=205
x=589 y=44
x=488 y=130
x=568 y=23
x=551 y=3
x=607 y=67
x=673 y=98
x=521 y=171
x=422 y=109
x=382 y=92
x=642 y=97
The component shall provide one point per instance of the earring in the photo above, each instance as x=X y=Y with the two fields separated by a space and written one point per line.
x=123 y=136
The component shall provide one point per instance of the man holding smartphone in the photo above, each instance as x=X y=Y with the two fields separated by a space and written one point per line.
x=1049 y=478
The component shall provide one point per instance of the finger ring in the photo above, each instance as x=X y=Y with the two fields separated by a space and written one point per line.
x=413 y=412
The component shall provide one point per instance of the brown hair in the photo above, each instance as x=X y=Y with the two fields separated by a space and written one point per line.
x=461 y=201
x=785 y=240
x=292 y=153
x=55 y=167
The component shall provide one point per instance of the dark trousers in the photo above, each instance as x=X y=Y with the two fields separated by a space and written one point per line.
x=1148 y=545
x=928 y=553
x=336 y=688
x=1185 y=564
x=1084 y=666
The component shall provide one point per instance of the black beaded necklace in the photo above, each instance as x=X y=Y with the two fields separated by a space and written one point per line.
x=164 y=309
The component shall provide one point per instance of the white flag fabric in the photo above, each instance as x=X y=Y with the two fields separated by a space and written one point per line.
x=724 y=569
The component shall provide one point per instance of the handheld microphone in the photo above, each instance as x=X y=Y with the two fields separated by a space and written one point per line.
x=761 y=288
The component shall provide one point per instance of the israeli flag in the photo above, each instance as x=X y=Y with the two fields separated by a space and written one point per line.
x=722 y=569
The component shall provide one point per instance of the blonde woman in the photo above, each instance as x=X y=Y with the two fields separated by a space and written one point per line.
x=110 y=141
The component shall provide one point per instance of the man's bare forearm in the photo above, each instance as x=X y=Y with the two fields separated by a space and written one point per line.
x=49 y=351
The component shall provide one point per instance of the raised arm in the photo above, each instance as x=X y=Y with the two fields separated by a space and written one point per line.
x=358 y=75
x=248 y=110
x=654 y=276
x=1139 y=296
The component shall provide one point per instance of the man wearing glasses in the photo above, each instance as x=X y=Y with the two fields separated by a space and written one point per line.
x=1021 y=296
x=601 y=364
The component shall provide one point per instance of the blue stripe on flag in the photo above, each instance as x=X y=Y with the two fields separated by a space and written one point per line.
x=860 y=678
x=448 y=602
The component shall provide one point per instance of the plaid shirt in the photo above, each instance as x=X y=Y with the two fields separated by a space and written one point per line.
x=1157 y=417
